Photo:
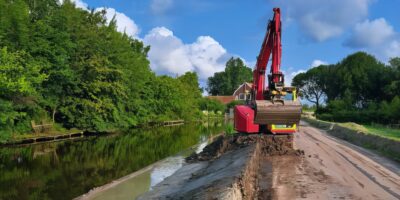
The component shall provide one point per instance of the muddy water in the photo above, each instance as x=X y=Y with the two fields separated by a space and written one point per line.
x=65 y=170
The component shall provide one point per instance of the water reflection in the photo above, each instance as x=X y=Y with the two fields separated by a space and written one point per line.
x=167 y=168
x=68 y=169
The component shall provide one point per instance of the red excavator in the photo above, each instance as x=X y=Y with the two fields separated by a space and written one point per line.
x=274 y=109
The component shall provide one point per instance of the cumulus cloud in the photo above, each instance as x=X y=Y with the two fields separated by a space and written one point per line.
x=324 y=19
x=370 y=33
x=169 y=55
x=316 y=63
x=290 y=74
x=124 y=23
x=207 y=56
x=393 y=49
x=160 y=6
x=377 y=37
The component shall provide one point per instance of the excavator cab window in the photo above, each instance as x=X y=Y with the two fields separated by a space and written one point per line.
x=289 y=96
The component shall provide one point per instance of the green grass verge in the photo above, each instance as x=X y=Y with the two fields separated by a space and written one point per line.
x=375 y=129
x=377 y=137
x=56 y=130
x=384 y=131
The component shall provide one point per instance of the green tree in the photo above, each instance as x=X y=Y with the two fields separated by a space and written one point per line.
x=14 y=24
x=359 y=88
x=19 y=79
x=226 y=82
x=393 y=88
x=364 y=77
x=311 y=84
x=211 y=105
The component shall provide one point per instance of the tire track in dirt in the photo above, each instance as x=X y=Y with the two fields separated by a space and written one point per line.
x=333 y=168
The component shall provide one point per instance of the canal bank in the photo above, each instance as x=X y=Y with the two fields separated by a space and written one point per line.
x=143 y=180
x=73 y=134
x=65 y=170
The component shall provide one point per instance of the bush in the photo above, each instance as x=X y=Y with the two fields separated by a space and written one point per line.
x=234 y=103
x=229 y=130
x=339 y=111
x=211 y=105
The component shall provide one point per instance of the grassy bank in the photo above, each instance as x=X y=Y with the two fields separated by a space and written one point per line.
x=384 y=140
x=376 y=129
x=56 y=130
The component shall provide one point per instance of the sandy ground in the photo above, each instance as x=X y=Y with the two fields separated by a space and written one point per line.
x=333 y=169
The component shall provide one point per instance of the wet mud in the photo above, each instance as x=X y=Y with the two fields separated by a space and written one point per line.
x=231 y=167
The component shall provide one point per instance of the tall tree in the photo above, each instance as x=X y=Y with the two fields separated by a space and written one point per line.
x=20 y=78
x=393 y=88
x=311 y=85
x=226 y=82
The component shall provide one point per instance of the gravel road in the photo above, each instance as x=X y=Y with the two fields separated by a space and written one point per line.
x=333 y=169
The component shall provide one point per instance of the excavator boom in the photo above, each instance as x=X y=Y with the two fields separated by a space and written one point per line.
x=273 y=109
x=270 y=45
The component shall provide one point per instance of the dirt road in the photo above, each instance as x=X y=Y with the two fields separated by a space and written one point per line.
x=333 y=169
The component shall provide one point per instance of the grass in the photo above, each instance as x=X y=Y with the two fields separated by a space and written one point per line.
x=384 y=131
x=229 y=130
x=376 y=129
x=354 y=126
x=376 y=137
x=56 y=130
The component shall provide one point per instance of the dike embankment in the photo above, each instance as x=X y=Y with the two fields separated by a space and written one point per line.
x=390 y=148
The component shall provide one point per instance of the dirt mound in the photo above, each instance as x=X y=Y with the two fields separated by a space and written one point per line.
x=232 y=167
x=269 y=144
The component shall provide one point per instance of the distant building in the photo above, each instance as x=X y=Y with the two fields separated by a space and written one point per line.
x=223 y=99
x=241 y=93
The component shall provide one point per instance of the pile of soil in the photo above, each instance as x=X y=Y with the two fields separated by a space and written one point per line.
x=269 y=144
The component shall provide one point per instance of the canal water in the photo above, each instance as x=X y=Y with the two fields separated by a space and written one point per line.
x=65 y=170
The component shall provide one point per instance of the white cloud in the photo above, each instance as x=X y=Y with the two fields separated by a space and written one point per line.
x=393 y=50
x=377 y=37
x=78 y=3
x=290 y=74
x=293 y=74
x=370 y=33
x=324 y=19
x=160 y=6
x=316 y=63
x=124 y=23
x=169 y=55
x=207 y=56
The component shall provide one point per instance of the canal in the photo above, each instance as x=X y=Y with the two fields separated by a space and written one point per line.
x=65 y=170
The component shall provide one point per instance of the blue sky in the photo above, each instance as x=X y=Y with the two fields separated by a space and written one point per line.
x=193 y=35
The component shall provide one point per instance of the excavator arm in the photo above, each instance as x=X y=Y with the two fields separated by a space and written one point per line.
x=271 y=45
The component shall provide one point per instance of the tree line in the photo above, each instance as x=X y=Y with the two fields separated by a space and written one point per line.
x=68 y=65
x=358 y=89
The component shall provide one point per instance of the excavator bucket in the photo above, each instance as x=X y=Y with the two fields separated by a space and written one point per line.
x=277 y=112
